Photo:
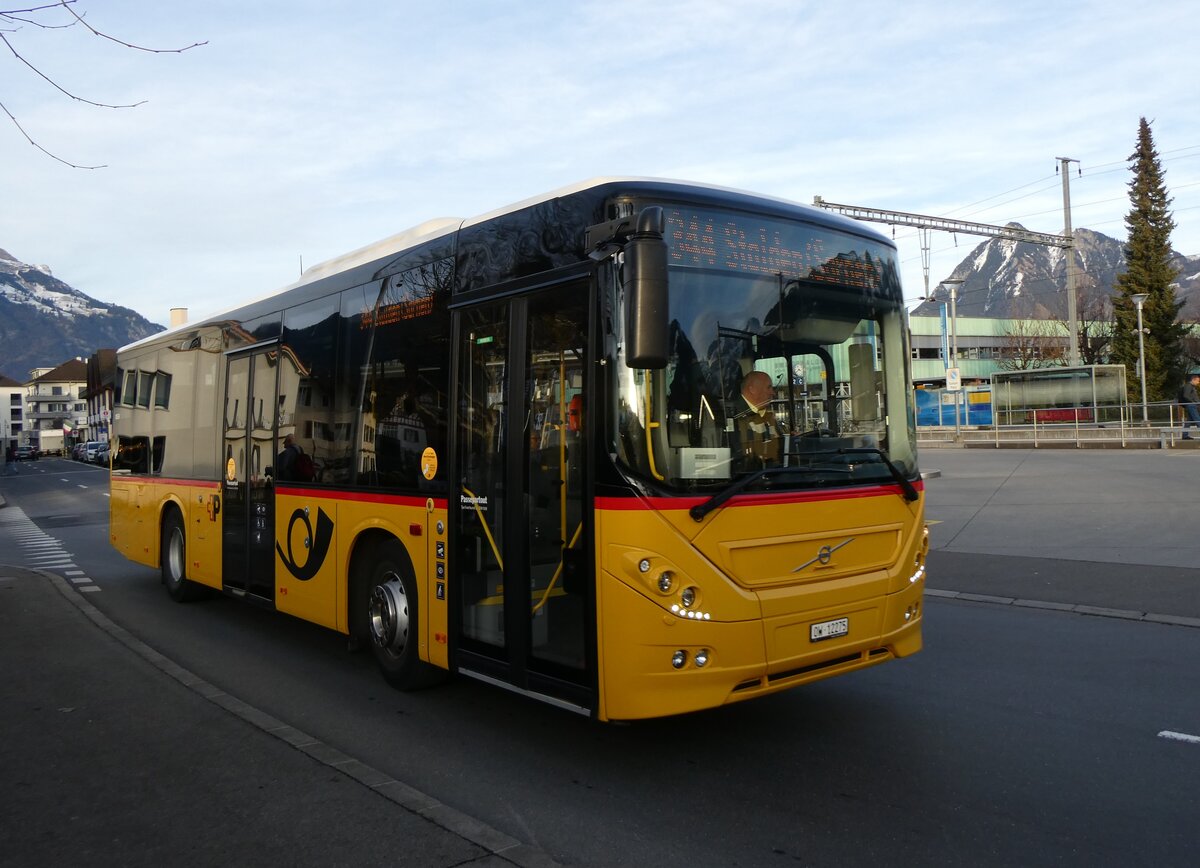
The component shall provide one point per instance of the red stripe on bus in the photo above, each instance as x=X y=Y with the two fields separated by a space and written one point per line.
x=300 y=491
x=763 y=499
x=159 y=480
x=361 y=496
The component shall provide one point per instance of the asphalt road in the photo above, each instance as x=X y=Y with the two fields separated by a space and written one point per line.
x=1022 y=735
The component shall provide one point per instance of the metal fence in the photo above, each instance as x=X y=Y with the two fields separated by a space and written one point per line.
x=1113 y=424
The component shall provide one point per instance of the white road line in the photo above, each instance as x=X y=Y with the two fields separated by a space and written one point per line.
x=80 y=486
x=81 y=580
x=87 y=589
x=1179 y=736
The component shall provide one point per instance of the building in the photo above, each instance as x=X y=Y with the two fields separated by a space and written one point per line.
x=12 y=414
x=101 y=381
x=985 y=346
x=55 y=409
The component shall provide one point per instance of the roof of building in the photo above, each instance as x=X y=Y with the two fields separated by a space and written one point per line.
x=8 y=382
x=73 y=371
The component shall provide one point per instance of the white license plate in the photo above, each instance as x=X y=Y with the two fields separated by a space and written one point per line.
x=829 y=629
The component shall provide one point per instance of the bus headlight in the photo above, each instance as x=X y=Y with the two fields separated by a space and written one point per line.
x=701 y=657
x=679 y=659
x=665 y=580
x=687 y=597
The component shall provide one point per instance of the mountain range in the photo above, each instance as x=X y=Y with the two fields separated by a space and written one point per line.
x=44 y=322
x=1018 y=279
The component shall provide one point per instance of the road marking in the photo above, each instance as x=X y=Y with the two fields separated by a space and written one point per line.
x=80 y=486
x=1179 y=736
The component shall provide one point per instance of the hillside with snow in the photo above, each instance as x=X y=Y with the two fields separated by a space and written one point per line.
x=1004 y=278
x=44 y=321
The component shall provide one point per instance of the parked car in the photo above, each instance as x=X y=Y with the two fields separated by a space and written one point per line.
x=26 y=453
x=101 y=456
x=91 y=449
x=77 y=451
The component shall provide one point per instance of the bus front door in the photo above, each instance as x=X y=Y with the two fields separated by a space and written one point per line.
x=524 y=602
x=248 y=544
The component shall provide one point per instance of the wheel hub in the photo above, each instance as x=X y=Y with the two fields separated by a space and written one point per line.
x=175 y=555
x=389 y=615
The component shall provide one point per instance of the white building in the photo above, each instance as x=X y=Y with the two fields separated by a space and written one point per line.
x=55 y=407
x=12 y=414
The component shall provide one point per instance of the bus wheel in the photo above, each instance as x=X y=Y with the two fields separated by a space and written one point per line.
x=392 y=615
x=173 y=554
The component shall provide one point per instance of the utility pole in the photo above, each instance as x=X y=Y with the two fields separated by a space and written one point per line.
x=1072 y=292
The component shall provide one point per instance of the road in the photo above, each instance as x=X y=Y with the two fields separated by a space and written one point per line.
x=1020 y=736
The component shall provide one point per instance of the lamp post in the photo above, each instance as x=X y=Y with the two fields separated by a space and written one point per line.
x=1139 y=299
x=952 y=284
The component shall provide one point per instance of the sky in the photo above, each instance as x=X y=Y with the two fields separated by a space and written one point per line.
x=304 y=130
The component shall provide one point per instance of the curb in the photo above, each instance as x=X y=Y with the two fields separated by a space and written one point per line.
x=1076 y=609
x=494 y=841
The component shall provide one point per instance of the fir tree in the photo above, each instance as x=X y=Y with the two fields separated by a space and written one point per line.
x=1148 y=270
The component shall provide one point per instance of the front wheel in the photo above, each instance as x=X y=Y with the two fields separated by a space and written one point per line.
x=173 y=557
x=389 y=614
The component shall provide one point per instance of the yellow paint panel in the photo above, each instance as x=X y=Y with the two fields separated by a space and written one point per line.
x=760 y=581
x=302 y=548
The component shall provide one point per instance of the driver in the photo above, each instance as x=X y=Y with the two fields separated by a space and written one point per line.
x=759 y=436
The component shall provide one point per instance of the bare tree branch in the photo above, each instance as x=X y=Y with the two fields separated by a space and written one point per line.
x=59 y=87
x=95 y=32
x=39 y=147
x=18 y=15
x=15 y=15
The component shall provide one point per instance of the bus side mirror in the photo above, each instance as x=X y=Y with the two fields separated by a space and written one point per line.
x=645 y=284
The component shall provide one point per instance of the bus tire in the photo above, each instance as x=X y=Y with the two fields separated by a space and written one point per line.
x=173 y=558
x=389 y=617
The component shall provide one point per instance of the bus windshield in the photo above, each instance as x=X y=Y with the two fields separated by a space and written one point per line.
x=789 y=353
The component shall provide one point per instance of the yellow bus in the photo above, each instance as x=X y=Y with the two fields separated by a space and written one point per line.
x=521 y=448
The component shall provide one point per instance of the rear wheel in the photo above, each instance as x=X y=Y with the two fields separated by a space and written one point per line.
x=388 y=614
x=173 y=555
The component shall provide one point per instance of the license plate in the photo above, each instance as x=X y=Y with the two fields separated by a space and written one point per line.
x=829 y=629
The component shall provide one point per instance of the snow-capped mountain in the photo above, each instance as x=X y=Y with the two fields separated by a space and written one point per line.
x=44 y=322
x=1003 y=278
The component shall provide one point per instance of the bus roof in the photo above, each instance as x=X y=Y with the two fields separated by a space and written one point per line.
x=387 y=248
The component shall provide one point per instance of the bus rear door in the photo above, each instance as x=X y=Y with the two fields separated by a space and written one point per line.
x=248 y=544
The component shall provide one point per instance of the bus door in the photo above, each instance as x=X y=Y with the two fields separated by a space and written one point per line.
x=521 y=518
x=248 y=502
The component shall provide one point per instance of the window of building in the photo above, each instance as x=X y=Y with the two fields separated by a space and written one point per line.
x=129 y=395
x=145 y=385
x=162 y=390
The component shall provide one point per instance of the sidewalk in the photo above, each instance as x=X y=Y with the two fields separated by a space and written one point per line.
x=112 y=754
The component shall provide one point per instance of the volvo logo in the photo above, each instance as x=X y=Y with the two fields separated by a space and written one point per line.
x=824 y=555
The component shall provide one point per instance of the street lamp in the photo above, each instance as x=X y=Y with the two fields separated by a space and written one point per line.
x=1139 y=299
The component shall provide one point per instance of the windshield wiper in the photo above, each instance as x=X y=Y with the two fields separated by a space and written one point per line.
x=700 y=510
x=910 y=493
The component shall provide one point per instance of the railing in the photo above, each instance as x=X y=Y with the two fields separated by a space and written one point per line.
x=1110 y=424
